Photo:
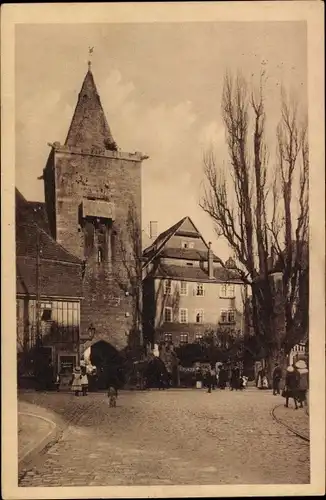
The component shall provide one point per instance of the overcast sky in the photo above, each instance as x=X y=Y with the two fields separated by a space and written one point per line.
x=160 y=87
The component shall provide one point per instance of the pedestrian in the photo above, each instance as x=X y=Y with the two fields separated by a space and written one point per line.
x=217 y=370
x=57 y=382
x=259 y=380
x=198 y=377
x=291 y=389
x=76 y=386
x=265 y=383
x=277 y=376
x=84 y=382
x=244 y=381
x=112 y=395
x=211 y=379
x=234 y=379
x=303 y=382
x=222 y=378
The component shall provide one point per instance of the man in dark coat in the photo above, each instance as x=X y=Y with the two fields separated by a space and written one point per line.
x=277 y=376
x=222 y=378
x=235 y=378
x=292 y=386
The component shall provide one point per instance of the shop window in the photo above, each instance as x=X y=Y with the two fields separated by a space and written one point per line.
x=65 y=320
x=168 y=337
x=198 y=337
x=67 y=364
x=46 y=311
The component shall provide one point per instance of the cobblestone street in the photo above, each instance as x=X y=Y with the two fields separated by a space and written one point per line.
x=166 y=437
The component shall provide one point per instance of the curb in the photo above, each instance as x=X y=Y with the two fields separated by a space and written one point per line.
x=35 y=451
x=281 y=422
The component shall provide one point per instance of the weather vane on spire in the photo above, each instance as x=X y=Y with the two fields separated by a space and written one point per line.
x=90 y=52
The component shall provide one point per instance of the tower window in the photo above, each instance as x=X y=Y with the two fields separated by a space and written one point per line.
x=100 y=255
x=113 y=245
x=89 y=238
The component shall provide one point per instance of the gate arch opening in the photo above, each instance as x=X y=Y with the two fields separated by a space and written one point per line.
x=109 y=364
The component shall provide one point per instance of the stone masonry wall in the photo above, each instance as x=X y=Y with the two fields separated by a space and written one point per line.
x=115 y=178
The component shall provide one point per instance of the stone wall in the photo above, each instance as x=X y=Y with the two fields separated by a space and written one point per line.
x=110 y=176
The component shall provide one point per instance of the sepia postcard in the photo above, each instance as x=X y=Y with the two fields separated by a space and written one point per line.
x=163 y=260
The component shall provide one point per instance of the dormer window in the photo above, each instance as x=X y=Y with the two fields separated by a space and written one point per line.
x=187 y=244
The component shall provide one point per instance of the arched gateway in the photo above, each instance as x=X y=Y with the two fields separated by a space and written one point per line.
x=108 y=361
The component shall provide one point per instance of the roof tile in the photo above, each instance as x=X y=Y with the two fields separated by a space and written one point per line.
x=194 y=273
x=57 y=279
x=89 y=127
x=26 y=244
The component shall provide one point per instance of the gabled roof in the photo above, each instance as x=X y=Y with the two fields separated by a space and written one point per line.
x=27 y=236
x=158 y=247
x=89 y=127
x=162 y=239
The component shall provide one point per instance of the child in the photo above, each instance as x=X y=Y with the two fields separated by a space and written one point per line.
x=76 y=386
x=57 y=382
x=112 y=395
x=84 y=382
x=244 y=382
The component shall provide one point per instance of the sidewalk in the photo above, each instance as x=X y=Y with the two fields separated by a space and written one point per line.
x=37 y=427
x=298 y=420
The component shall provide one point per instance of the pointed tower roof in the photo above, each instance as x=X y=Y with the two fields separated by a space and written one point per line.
x=89 y=127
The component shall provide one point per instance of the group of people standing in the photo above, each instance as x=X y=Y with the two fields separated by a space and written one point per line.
x=296 y=384
x=79 y=382
x=218 y=376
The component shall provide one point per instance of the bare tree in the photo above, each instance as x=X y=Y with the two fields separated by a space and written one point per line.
x=128 y=274
x=255 y=212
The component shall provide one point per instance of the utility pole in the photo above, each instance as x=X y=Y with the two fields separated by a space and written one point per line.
x=38 y=292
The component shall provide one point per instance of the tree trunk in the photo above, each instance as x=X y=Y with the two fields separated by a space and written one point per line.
x=274 y=357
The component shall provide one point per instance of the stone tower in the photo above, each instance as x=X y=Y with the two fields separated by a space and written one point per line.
x=90 y=187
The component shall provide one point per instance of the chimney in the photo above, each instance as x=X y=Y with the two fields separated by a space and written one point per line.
x=153 y=225
x=210 y=261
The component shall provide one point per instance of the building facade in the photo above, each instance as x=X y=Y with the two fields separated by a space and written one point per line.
x=186 y=290
x=91 y=188
x=48 y=295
